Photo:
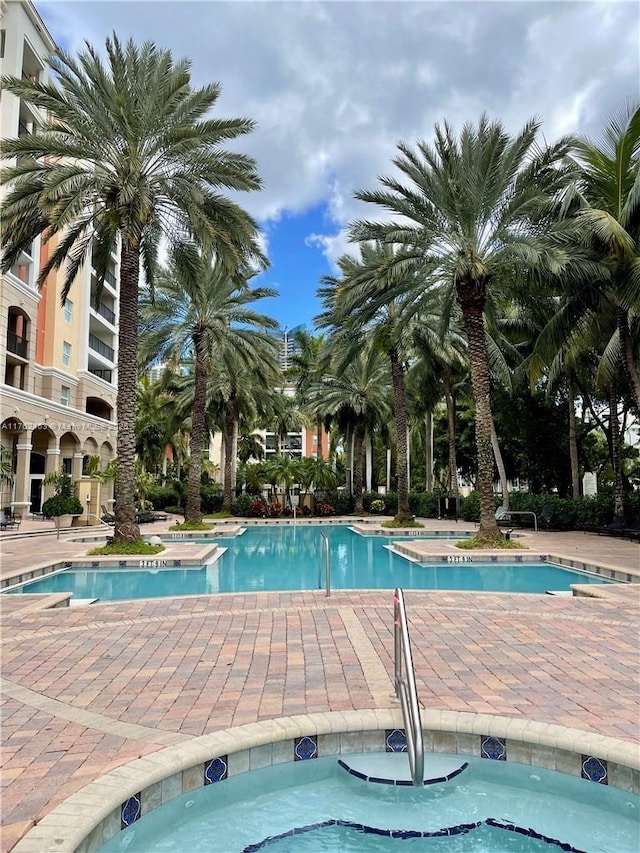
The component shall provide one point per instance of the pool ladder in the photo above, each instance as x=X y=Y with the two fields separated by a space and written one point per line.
x=406 y=692
x=327 y=566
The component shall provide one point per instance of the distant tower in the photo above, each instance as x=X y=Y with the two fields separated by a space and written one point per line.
x=288 y=346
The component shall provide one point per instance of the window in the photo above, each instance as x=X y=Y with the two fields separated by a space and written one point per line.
x=68 y=310
x=67 y=465
x=3 y=38
x=65 y=394
x=66 y=354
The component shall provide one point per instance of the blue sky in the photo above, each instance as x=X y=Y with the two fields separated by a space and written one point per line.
x=333 y=87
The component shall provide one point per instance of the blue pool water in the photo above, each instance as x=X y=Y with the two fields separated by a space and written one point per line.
x=268 y=558
x=256 y=811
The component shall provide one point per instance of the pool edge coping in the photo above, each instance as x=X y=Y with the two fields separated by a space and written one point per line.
x=67 y=827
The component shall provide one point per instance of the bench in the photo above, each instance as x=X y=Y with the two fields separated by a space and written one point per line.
x=504 y=516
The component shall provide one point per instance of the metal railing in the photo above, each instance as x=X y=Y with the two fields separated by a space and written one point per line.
x=104 y=311
x=17 y=345
x=406 y=692
x=106 y=375
x=327 y=566
x=99 y=346
x=503 y=514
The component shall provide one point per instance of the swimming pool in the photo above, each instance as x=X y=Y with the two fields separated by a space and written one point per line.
x=269 y=558
x=488 y=808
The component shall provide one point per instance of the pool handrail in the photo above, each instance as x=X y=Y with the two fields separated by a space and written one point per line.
x=406 y=691
x=327 y=566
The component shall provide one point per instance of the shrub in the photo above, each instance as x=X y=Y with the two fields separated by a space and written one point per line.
x=211 y=498
x=377 y=505
x=274 y=509
x=324 y=509
x=424 y=504
x=61 y=505
x=342 y=502
x=174 y=510
x=242 y=505
x=162 y=497
x=470 y=507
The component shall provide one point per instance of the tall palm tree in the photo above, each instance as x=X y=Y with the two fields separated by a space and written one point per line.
x=608 y=214
x=126 y=156
x=198 y=311
x=305 y=368
x=475 y=217
x=356 y=395
x=352 y=306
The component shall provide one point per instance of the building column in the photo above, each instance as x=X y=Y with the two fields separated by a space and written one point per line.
x=51 y=466
x=22 y=498
x=76 y=467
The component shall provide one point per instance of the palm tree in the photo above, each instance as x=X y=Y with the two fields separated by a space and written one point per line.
x=475 y=218
x=284 y=471
x=608 y=214
x=352 y=306
x=305 y=368
x=355 y=396
x=198 y=310
x=126 y=156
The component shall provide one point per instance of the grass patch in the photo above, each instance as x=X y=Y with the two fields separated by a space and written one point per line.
x=399 y=524
x=221 y=514
x=487 y=542
x=118 y=548
x=191 y=525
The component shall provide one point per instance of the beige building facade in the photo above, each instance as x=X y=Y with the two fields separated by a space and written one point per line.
x=58 y=362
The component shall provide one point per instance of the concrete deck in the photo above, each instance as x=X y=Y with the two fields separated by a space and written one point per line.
x=87 y=689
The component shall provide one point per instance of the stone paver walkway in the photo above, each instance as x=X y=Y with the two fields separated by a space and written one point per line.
x=87 y=689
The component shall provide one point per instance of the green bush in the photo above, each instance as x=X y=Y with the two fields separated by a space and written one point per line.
x=424 y=504
x=242 y=505
x=174 y=510
x=342 y=502
x=211 y=498
x=377 y=505
x=61 y=505
x=163 y=497
x=470 y=507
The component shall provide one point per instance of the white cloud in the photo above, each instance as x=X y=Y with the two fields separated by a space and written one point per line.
x=334 y=86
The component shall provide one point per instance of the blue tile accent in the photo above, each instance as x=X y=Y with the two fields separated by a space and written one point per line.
x=130 y=811
x=594 y=769
x=395 y=740
x=494 y=748
x=122 y=563
x=177 y=562
x=401 y=834
x=494 y=559
x=400 y=782
x=216 y=770
x=305 y=748
x=518 y=558
x=95 y=564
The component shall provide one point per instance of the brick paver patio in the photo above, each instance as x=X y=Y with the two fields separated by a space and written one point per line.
x=86 y=689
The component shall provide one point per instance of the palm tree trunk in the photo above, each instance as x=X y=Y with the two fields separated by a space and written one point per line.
x=502 y=471
x=319 y=432
x=358 y=440
x=618 y=487
x=125 y=527
x=400 y=417
x=348 y=459
x=227 y=437
x=193 y=511
x=428 y=444
x=234 y=457
x=573 y=441
x=628 y=361
x=451 y=429
x=472 y=312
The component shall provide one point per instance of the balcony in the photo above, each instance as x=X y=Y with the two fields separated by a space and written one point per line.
x=104 y=311
x=106 y=375
x=100 y=347
x=111 y=280
x=17 y=345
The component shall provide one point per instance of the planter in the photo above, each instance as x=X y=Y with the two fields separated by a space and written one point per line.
x=64 y=521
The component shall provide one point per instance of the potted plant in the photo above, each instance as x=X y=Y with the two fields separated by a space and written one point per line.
x=64 y=504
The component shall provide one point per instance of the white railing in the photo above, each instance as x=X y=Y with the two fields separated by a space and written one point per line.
x=406 y=692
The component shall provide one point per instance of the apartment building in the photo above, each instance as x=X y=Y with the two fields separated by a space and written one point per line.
x=58 y=368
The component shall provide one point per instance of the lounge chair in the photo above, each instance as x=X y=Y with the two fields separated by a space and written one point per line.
x=10 y=520
x=107 y=517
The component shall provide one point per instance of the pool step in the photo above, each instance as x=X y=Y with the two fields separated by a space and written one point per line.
x=392 y=768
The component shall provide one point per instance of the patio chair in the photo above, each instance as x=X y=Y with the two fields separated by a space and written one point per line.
x=107 y=517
